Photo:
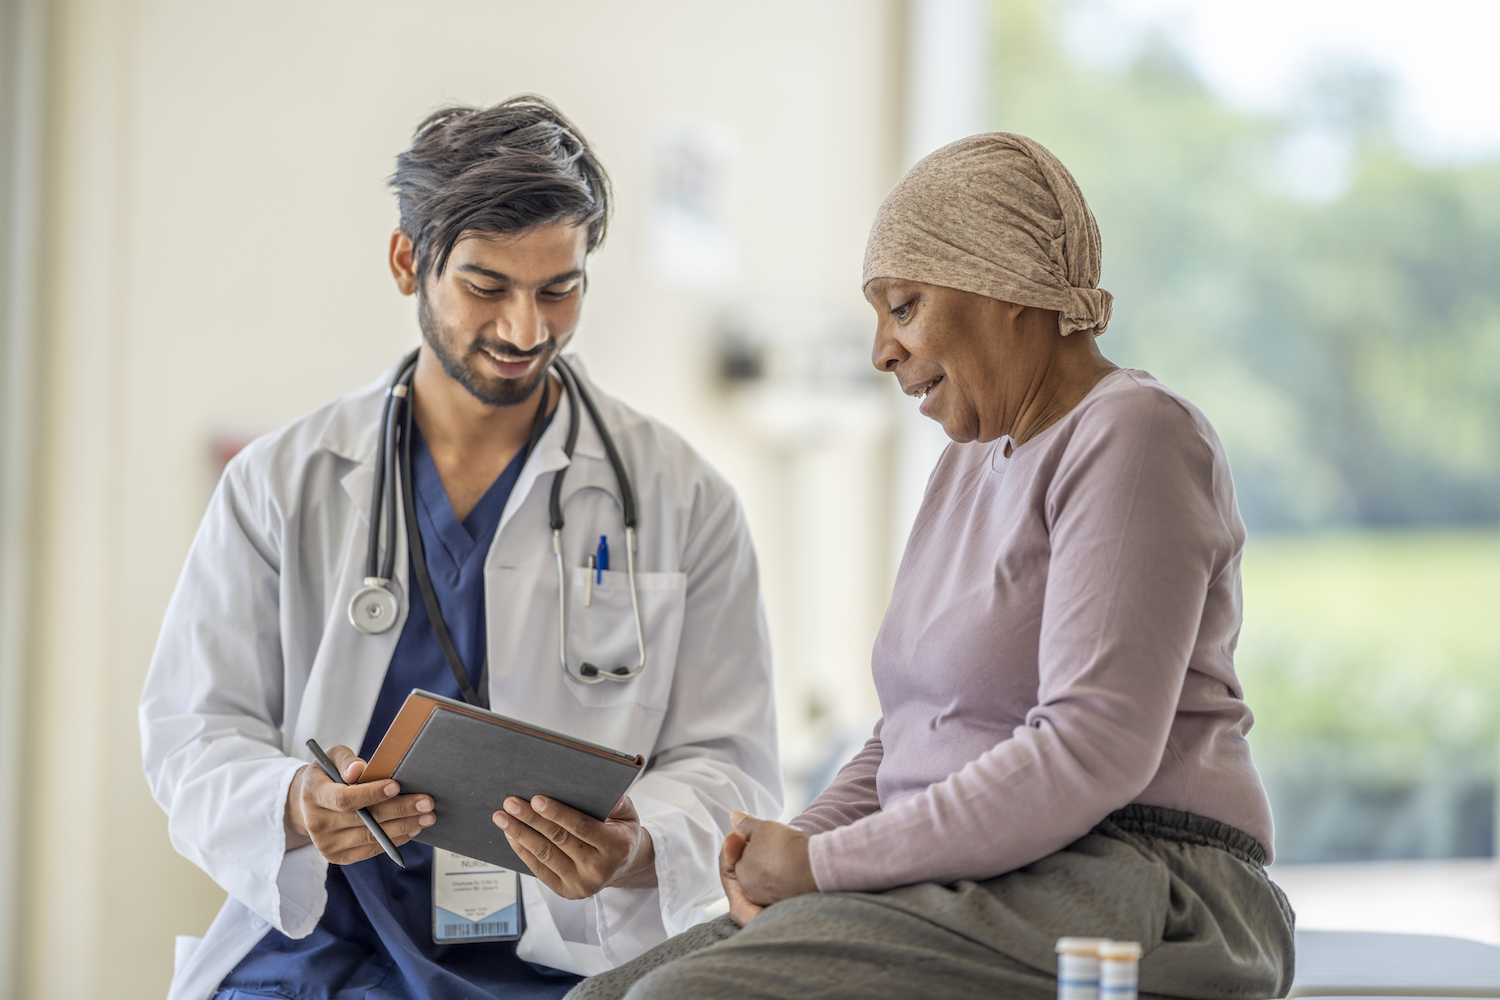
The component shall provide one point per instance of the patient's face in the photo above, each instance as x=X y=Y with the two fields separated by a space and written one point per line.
x=972 y=359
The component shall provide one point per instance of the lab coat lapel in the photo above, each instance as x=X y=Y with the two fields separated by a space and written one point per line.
x=548 y=456
x=589 y=469
x=350 y=666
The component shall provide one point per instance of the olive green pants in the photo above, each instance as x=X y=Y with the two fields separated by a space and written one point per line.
x=1191 y=890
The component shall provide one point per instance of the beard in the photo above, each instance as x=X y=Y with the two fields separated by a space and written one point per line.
x=462 y=367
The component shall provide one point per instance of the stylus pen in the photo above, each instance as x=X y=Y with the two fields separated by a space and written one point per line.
x=390 y=849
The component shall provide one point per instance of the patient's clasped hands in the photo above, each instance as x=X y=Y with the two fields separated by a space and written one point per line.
x=763 y=862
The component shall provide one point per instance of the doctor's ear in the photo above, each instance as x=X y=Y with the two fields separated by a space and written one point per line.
x=403 y=262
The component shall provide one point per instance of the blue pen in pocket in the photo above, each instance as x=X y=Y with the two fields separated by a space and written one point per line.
x=601 y=560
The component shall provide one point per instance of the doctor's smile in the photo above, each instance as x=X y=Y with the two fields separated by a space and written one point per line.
x=508 y=366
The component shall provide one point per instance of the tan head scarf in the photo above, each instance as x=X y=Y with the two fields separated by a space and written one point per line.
x=999 y=215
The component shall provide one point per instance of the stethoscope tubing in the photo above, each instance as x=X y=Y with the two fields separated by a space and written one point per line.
x=424 y=581
x=374 y=607
x=589 y=673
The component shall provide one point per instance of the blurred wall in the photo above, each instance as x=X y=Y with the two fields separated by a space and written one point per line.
x=217 y=225
x=23 y=77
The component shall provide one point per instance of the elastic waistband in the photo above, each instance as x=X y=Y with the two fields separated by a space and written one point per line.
x=1187 y=828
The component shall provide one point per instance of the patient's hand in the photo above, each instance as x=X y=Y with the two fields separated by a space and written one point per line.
x=741 y=910
x=773 y=865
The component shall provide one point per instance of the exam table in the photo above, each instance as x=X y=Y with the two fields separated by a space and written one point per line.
x=1355 y=964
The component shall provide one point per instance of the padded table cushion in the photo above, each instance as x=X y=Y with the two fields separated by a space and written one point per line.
x=1360 y=964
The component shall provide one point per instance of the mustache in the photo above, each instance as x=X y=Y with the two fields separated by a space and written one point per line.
x=508 y=350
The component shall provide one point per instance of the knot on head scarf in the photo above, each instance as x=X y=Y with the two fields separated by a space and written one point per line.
x=996 y=214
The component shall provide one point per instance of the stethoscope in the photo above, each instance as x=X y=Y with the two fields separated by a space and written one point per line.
x=374 y=608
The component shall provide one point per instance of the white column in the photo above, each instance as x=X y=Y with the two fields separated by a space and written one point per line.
x=948 y=86
x=948 y=67
x=69 y=788
x=23 y=52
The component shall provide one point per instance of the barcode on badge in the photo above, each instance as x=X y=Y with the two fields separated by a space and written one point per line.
x=492 y=929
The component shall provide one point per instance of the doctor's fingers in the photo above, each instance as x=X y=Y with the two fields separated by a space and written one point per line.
x=342 y=837
x=348 y=763
x=330 y=807
x=550 y=843
x=348 y=845
x=329 y=794
x=403 y=807
x=544 y=874
x=558 y=869
x=575 y=833
x=402 y=816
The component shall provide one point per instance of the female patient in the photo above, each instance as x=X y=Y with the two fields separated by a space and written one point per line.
x=1062 y=750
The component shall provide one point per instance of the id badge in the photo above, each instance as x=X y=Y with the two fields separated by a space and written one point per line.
x=474 y=900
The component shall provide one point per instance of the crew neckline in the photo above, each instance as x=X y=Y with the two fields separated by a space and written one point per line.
x=999 y=461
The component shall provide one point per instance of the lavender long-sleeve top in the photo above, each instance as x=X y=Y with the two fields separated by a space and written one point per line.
x=1059 y=643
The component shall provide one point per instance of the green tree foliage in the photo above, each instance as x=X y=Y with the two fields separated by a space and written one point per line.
x=1347 y=348
x=1369 y=658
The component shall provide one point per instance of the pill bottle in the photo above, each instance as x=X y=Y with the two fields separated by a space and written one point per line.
x=1078 y=967
x=1119 y=970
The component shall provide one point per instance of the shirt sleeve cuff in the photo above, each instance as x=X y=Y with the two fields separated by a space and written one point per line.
x=820 y=858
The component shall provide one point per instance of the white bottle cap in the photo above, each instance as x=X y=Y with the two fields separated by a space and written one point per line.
x=1119 y=951
x=1080 y=945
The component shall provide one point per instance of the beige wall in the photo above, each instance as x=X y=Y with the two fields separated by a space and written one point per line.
x=218 y=222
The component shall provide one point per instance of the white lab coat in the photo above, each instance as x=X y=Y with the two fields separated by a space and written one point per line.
x=257 y=655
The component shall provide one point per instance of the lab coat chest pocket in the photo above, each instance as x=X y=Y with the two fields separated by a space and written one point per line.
x=601 y=631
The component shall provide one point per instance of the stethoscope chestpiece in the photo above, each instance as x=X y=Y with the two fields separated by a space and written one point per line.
x=374 y=609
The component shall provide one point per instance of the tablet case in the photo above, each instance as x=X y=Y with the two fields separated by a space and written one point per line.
x=470 y=760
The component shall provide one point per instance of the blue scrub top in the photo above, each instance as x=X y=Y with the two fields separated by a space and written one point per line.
x=375 y=939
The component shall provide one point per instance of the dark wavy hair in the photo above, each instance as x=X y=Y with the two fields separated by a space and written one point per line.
x=502 y=170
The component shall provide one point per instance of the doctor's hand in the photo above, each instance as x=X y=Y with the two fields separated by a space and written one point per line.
x=772 y=865
x=321 y=812
x=574 y=854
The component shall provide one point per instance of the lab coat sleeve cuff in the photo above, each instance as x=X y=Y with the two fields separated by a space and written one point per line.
x=302 y=885
x=685 y=888
x=300 y=875
x=243 y=806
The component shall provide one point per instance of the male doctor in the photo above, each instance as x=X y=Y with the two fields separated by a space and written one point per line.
x=258 y=653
